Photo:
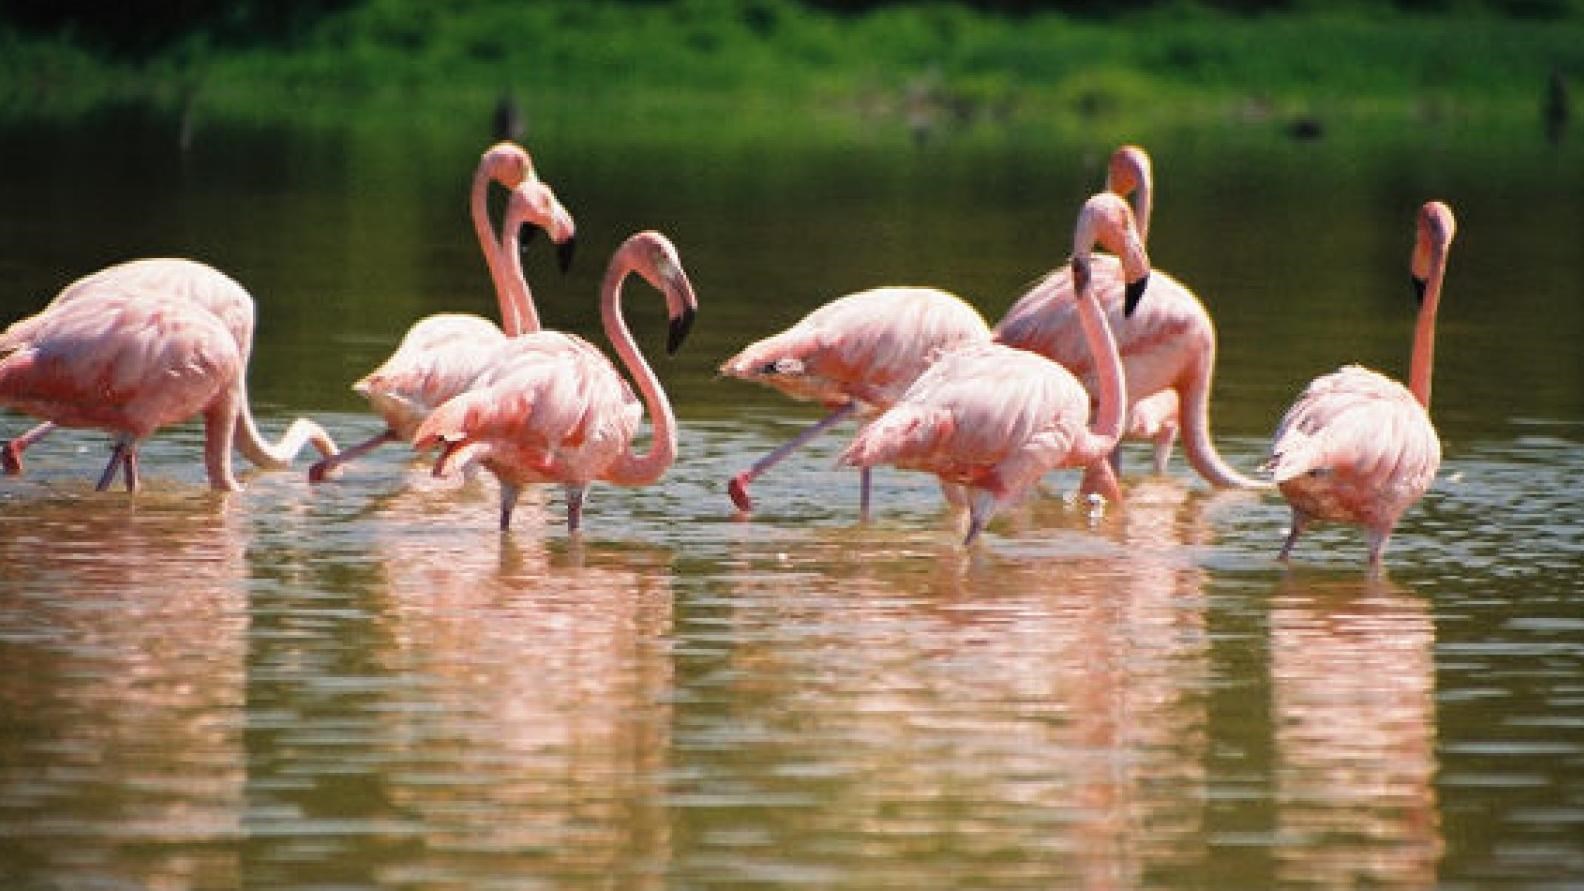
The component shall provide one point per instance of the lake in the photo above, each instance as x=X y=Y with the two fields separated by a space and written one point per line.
x=363 y=684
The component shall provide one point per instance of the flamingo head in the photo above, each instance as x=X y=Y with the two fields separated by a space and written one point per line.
x=533 y=206
x=1435 y=230
x=655 y=258
x=1106 y=220
x=507 y=163
x=1128 y=170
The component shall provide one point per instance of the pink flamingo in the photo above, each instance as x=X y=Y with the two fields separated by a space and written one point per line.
x=209 y=289
x=1168 y=350
x=857 y=353
x=442 y=354
x=130 y=361
x=1358 y=447
x=552 y=407
x=994 y=418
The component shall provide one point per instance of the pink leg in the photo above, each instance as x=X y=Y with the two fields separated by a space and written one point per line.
x=11 y=451
x=508 y=500
x=738 y=487
x=1100 y=479
x=324 y=467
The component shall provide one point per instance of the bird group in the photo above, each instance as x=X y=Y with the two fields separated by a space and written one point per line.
x=1102 y=348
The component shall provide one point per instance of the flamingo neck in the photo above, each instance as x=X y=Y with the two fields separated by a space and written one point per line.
x=516 y=305
x=1423 y=361
x=1143 y=205
x=511 y=257
x=1107 y=426
x=633 y=469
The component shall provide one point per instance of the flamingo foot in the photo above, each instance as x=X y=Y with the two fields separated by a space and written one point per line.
x=319 y=471
x=738 y=490
x=11 y=458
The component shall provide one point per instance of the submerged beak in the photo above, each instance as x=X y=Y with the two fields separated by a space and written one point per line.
x=564 y=252
x=1419 y=286
x=679 y=328
x=1132 y=294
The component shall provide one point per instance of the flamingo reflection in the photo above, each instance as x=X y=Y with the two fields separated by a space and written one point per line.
x=1353 y=673
x=1014 y=717
x=121 y=694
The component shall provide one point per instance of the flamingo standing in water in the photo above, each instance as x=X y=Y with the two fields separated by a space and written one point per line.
x=1168 y=350
x=130 y=361
x=204 y=287
x=442 y=354
x=552 y=407
x=994 y=418
x=857 y=353
x=1358 y=447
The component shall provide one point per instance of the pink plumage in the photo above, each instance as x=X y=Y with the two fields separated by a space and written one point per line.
x=441 y=355
x=859 y=352
x=993 y=418
x=553 y=408
x=1167 y=346
x=1358 y=447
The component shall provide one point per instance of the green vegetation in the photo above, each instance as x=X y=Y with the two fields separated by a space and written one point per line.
x=776 y=68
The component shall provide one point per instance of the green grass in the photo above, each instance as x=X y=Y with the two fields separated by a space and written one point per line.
x=771 y=69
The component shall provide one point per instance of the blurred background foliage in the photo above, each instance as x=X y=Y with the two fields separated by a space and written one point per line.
x=790 y=63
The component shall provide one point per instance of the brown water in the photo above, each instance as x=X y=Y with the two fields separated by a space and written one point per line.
x=364 y=685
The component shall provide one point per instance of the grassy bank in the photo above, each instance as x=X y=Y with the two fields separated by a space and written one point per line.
x=771 y=68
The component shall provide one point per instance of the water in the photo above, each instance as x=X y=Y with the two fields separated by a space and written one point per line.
x=365 y=685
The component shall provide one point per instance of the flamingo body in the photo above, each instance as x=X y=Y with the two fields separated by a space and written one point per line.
x=128 y=362
x=993 y=418
x=442 y=355
x=1356 y=446
x=1167 y=346
x=857 y=353
x=553 y=408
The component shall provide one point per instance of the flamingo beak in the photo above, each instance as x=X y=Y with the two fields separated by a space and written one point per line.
x=564 y=252
x=679 y=328
x=1419 y=286
x=1132 y=294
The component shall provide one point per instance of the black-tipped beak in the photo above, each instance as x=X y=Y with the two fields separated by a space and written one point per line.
x=1132 y=294
x=564 y=252
x=1419 y=286
x=678 y=332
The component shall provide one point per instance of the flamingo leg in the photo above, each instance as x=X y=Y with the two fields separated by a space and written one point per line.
x=1100 y=479
x=129 y=465
x=1164 y=440
x=508 y=500
x=109 y=475
x=738 y=487
x=1298 y=523
x=324 y=467
x=1377 y=547
x=11 y=451
x=865 y=478
x=574 y=499
x=980 y=509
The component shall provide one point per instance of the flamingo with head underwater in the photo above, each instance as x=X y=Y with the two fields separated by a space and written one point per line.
x=205 y=288
x=552 y=407
x=131 y=360
x=1168 y=350
x=1358 y=447
x=442 y=354
x=855 y=354
x=993 y=418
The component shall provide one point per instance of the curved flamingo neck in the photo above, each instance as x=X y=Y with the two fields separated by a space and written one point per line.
x=1423 y=361
x=521 y=296
x=632 y=469
x=1106 y=429
x=511 y=290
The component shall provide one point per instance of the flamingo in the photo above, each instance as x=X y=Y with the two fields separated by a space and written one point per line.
x=442 y=354
x=857 y=353
x=994 y=418
x=1358 y=447
x=552 y=407
x=130 y=361
x=1168 y=350
x=206 y=288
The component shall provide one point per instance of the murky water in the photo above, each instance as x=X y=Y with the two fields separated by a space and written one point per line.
x=364 y=685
